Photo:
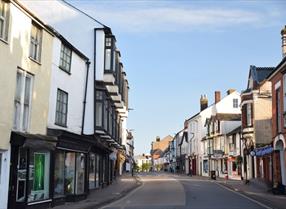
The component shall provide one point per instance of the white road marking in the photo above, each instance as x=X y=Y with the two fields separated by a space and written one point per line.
x=242 y=195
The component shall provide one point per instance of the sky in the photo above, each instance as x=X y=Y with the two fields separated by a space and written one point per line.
x=175 y=51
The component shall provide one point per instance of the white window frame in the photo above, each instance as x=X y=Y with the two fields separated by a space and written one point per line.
x=235 y=103
x=65 y=58
x=36 y=43
x=18 y=123
x=248 y=114
x=284 y=100
x=4 y=17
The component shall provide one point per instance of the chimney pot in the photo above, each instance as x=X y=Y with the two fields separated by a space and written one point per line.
x=283 y=34
x=203 y=102
x=217 y=96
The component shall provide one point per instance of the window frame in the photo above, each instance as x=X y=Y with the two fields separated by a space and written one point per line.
x=36 y=51
x=5 y=19
x=109 y=46
x=18 y=121
x=65 y=58
x=58 y=122
x=249 y=114
x=235 y=103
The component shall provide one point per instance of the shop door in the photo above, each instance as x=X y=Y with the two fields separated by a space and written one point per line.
x=194 y=167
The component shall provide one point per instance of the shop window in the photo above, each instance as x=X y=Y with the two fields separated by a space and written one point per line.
x=22 y=101
x=80 y=172
x=4 y=20
x=234 y=166
x=59 y=174
x=39 y=174
x=92 y=166
x=21 y=175
x=97 y=171
x=69 y=172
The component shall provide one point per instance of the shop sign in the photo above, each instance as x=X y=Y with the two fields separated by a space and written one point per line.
x=262 y=151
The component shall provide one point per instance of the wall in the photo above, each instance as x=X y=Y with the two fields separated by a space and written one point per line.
x=73 y=84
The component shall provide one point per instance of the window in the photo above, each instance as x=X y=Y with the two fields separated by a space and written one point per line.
x=80 y=173
x=69 y=172
x=248 y=114
x=59 y=175
x=61 y=108
x=99 y=108
x=109 y=54
x=22 y=102
x=4 y=20
x=65 y=59
x=284 y=99
x=235 y=103
x=36 y=42
x=278 y=110
x=39 y=176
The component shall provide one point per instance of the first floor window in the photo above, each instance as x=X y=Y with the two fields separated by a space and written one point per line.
x=65 y=58
x=61 y=108
x=235 y=103
x=22 y=101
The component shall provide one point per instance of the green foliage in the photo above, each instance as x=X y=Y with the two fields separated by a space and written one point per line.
x=145 y=167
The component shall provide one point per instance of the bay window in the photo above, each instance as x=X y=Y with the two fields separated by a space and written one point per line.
x=99 y=108
x=109 y=54
x=249 y=114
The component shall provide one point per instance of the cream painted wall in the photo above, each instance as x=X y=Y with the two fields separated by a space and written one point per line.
x=16 y=55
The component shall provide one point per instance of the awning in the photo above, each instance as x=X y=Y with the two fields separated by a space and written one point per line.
x=33 y=141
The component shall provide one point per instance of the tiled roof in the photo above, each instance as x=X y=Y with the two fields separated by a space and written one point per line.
x=234 y=131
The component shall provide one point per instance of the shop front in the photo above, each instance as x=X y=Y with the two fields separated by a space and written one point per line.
x=31 y=171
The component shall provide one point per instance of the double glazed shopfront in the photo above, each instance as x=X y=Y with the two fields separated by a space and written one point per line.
x=46 y=171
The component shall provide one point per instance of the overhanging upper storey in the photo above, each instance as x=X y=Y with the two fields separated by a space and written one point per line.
x=109 y=68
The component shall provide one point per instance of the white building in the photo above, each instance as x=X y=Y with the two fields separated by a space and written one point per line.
x=197 y=157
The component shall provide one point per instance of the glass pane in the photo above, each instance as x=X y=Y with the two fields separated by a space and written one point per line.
x=91 y=178
x=69 y=172
x=97 y=171
x=27 y=90
x=18 y=86
x=39 y=176
x=26 y=117
x=59 y=174
x=107 y=59
x=80 y=173
x=17 y=112
x=21 y=175
x=1 y=28
x=98 y=114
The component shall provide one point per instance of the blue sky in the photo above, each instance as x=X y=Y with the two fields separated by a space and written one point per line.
x=174 y=51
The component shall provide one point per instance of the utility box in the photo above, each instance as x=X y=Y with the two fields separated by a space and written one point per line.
x=213 y=176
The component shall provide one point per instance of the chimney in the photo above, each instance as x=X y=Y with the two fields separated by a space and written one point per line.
x=203 y=102
x=157 y=138
x=230 y=91
x=283 y=34
x=217 y=96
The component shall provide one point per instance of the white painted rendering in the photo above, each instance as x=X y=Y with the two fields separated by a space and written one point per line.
x=73 y=84
x=100 y=41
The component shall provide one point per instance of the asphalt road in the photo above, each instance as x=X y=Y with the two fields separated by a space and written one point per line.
x=171 y=192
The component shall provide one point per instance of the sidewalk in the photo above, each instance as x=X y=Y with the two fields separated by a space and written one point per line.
x=255 y=190
x=97 y=198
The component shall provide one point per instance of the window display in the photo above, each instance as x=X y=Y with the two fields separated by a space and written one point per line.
x=92 y=171
x=39 y=173
x=69 y=172
x=59 y=174
x=80 y=172
x=21 y=175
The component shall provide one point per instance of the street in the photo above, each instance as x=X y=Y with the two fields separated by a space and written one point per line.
x=180 y=192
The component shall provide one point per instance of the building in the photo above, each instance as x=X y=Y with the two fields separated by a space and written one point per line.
x=218 y=126
x=143 y=162
x=199 y=149
x=106 y=109
x=278 y=80
x=172 y=155
x=26 y=46
x=129 y=151
x=158 y=148
x=256 y=106
x=180 y=157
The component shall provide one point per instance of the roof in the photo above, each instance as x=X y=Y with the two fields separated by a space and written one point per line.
x=234 y=131
x=260 y=73
x=223 y=117
x=277 y=68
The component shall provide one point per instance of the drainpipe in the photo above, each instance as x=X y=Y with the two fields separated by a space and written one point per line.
x=85 y=94
x=94 y=80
